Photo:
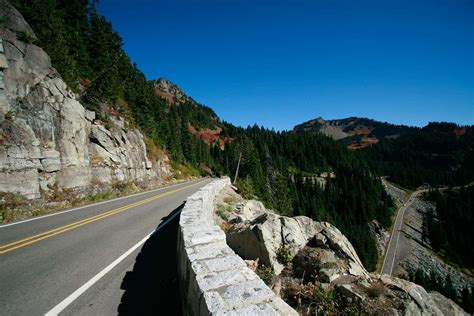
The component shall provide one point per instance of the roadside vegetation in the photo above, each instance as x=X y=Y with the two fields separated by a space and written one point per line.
x=15 y=207
x=437 y=154
x=310 y=299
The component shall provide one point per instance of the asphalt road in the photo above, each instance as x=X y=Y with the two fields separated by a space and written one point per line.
x=78 y=262
x=390 y=259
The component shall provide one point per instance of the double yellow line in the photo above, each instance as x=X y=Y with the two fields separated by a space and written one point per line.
x=36 y=238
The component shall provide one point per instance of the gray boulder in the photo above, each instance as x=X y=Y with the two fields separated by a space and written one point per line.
x=265 y=235
x=419 y=301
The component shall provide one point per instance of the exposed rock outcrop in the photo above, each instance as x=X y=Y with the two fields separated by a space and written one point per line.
x=419 y=301
x=260 y=233
x=318 y=258
x=173 y=94
x=48 y=139
x=380 y=235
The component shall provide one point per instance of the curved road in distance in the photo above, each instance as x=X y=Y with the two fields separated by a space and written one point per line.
x=73 y=262
x=391 y=252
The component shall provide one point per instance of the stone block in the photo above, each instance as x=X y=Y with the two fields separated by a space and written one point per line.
x=246 y=293
x=224 y=263
x=261 y=310
x=211 y=303
x=219 y=279
x=213 y=278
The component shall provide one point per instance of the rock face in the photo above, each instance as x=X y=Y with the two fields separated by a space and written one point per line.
x=262 y=235
x=381 y=236
x=48 y=139
x=419 y=301
x=171 y=92
x=319 y=256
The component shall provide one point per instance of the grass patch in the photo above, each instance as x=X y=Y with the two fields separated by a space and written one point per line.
x=376 y=290
x=309 y=299
x=8 y=116
x=228 y=199
x=223 y=212
x=184 y=171
x=154 y=152
x=25 y=37
x=265 y=273
x=100 y=196
x=283 y=255
x=15 y=207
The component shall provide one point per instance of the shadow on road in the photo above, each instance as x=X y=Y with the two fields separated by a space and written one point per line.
x=152 y=287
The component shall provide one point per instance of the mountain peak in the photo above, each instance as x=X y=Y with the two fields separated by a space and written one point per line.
x=170 y=91
x=358 y=132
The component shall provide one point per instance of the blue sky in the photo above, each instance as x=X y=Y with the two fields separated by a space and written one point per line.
x=279 y=63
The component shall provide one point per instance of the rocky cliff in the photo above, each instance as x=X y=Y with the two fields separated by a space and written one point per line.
x=48 y=140
x=316 y=269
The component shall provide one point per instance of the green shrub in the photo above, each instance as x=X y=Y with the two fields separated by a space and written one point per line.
x=25 y=37
x=223 y=212
x=375 y=290
x=8 y=116
x=310 y=299
x=283 y=255
x=246 y=187
x=184 y=171
x=265 y=273
x=100 y=196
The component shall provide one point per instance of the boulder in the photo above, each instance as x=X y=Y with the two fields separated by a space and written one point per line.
x=446 y=305
x=348 y=291
x=248 y=210
x=266 y=234
x=419 y=301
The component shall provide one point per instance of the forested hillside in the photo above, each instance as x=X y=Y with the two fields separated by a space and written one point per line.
x=437 y=154
x=277 y=167
x=448 y=227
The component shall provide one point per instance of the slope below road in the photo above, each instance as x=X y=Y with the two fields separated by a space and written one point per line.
x=44 y=261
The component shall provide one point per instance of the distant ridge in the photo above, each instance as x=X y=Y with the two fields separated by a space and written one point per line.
x=358 y=132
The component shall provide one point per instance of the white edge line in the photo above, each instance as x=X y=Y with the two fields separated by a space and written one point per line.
x=401 y=225
x=71 y=298
x=391 y=235
x=94 y=204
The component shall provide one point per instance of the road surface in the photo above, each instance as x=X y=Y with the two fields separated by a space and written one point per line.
x=391 y=251
x=75 y=262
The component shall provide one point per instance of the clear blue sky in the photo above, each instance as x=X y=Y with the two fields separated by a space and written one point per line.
x=279 y=63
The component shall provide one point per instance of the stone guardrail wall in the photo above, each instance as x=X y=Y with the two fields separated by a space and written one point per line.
x=213 y=279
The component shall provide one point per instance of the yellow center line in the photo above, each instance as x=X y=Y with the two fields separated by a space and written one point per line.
x=36 y=238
